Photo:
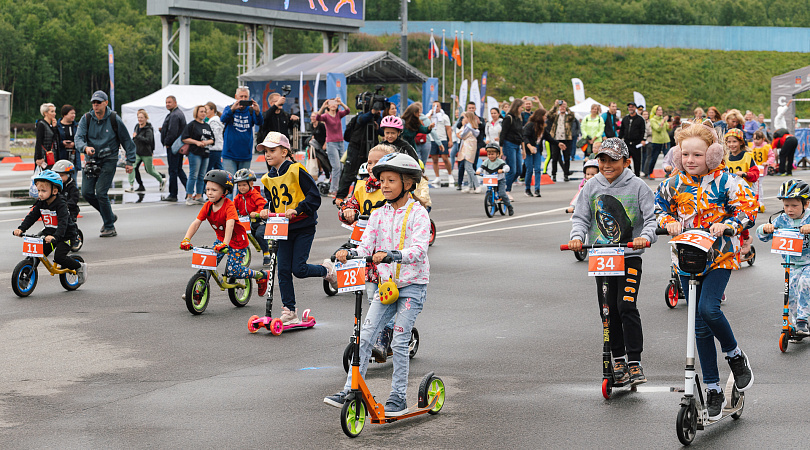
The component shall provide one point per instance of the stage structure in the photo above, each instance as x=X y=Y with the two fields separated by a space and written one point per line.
x=333 y=18
x=783 y=89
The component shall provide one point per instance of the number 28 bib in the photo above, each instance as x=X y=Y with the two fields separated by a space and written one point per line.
x=285 y=190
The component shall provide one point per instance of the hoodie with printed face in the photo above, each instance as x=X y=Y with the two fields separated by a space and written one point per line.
x=612 y=213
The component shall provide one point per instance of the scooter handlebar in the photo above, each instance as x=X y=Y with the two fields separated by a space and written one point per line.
x=664 y=232
x=369 y=259
x=564 y=247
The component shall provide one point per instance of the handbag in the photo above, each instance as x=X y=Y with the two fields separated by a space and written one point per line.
x=184 y=149
x=312 y=162
x=176 y=145
x=420 y=138
x=49 y=158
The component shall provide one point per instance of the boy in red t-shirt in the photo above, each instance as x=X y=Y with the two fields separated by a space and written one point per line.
x=249 y=203
x=220 y=212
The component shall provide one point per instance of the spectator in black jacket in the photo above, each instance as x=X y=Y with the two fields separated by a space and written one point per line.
x=611 y=121
x=276 y=119
x=511 y=140
x=46 y=147
x=535 y=134
x=363 y=136
x=632 y=132
x=172 y=128
x=67 y=127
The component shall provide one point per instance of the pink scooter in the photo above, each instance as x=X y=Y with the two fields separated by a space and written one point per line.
x=275 y=326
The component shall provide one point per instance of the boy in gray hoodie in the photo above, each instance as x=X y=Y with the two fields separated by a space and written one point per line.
x=618 y=207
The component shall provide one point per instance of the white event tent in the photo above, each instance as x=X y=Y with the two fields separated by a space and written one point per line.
x=583 y=108
x=155 y=105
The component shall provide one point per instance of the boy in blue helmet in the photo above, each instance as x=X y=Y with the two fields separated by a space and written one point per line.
x=60 y=228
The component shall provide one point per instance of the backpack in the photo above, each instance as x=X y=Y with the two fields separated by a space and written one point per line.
x=347 y=133
x=113 y=122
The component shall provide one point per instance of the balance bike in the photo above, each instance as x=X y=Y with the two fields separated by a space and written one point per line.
x=246 y=221
x=693 y=414
x=609 y=381
x=674 y=291
x=493 y=202
x=24 y=277
x=360 y=407
x=197 y=290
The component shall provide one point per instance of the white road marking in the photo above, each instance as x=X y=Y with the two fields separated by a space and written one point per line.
x=501 y=229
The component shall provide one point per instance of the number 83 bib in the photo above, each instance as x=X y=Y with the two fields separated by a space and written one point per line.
x=285 y=190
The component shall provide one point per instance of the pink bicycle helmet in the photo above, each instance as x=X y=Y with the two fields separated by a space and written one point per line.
x=391 y=122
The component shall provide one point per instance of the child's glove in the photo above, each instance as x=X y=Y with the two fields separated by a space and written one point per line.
x=221 y=248
x=185 y=244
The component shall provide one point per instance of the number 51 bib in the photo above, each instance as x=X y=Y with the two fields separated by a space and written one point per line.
x=285 y=190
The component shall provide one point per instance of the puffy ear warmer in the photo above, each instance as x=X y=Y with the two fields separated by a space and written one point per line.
x=714 y=156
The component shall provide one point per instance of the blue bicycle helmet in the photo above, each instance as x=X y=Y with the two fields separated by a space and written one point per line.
x=51 y=177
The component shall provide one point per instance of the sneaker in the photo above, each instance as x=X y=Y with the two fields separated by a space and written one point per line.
x=267 y=261
x=511 y=210
x=528 y=193
x=801 y=328
x=620 y=374
x=115 y=219
x=140 y=188
x=335 y=400
x=262 y=283
x=479 y=190
x=130 y=189
x=743 y=376
x=395 y=407
x=108 y=233
x=163 y=183
x=636 y=374
x=537 y=194
x=437 y=182
x=82 y=273
x=450 y=179
x=168 y=199
x=465 y=190
x=331 y=273
x=289 y=317
x=715 y=402
x=190 y=202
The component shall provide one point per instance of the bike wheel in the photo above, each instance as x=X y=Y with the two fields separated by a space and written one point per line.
x=671 y=295
x=432 y=233
x=413 y=345
x=784 y=339
x=580 y=255
x=753 y=256
x=24 y=278
x=607 y=388
x=70 y=281
x=77 y=243
x=431 y=387
x=489 y=204
x=501 y=207
x=353 y=417
x=327 y=287
x=197 y=293
x=246 y=260
x=241 y=296
x=686 y=424
x=348 y=354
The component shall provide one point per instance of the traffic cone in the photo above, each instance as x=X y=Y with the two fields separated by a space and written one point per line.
x=545 y=179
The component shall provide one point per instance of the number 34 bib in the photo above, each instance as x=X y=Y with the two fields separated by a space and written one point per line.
x=285 y=190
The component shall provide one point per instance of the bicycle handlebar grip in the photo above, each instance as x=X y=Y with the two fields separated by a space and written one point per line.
x=630 y=245
x=363 y=217
x=564 y=247
x=369 y=259
x=661 y=231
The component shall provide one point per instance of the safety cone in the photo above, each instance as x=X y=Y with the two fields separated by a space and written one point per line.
x=545 y=179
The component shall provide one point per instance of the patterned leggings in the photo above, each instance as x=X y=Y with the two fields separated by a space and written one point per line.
x=235 y=257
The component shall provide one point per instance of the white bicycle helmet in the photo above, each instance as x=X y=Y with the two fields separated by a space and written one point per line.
x=363 y=170
x=399 y=163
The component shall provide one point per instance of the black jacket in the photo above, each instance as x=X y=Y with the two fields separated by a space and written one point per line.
x=57 y=212
x=511 y=130
x=71 y=194
x=611 y=130
x=307 y=208
x=530 y=137
x=633 y=129
x=274 y=121
x=173 y=127
x=144 y=140
x=47 y=137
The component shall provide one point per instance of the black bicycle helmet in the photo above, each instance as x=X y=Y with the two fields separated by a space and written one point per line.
x=244 y=175
x=222 y=178
x=794 y=189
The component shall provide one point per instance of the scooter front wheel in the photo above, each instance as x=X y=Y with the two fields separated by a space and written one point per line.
x=580 y=255
x=686 y=425
x=607 y=388
x=327 y=288
x=353 y=417
x=671 y=295
x=783 y=341
x=432 y=387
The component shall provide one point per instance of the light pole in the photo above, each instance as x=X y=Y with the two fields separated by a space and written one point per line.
x=403 y=90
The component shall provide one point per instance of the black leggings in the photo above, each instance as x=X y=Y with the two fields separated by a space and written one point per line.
x=786 y=154
x=625 y=321
x=60 y=254
x=561 y=157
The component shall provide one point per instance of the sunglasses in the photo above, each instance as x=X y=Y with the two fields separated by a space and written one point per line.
x=96 y=102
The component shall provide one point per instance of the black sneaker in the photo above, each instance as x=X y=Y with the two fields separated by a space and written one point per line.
x=537 y=194
x=715 y=402
x=511 y=210
x=743 y=376
x=620 y=374
x=801 y=328
x=169 y=199
x=529 y=193
x=636 y=374
x=335 y=400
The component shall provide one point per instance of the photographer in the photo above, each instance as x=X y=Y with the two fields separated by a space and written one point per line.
x=275 y=118
x=239 y=119
x=362 y=136
x=99 y=138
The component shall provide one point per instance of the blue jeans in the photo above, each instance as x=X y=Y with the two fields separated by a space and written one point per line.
x=176 y=171
x=423 y=150
x=94 y=190
x=333 y=151
x=196 y=172
x=214 y=160
x=469 y=169
x=534 y=164
x=232 y=166
x=514 y=160
x=453 y=152
x=502 y=192
x=406 y=308
x=653 y=158
x=711 y=323
x=293 y=254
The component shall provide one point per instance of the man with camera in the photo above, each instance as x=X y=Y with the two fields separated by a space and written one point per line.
x=173 y=126
x=361 y=137
x=239 y=119
x=275 y=118
x=101 y=132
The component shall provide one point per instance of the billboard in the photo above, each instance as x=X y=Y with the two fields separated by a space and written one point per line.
x=349 y=9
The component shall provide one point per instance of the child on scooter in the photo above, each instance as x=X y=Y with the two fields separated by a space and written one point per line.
x=794 y=195
x=617 y=207
x=249 y=203
x=232 y=240
x=60 y=228
x=494 y=164
x=292 y=191
x=399 y=229
x=590 y=169
x=704 y=195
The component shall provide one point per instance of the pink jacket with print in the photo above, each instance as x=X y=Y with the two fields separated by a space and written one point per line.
x=383 y=233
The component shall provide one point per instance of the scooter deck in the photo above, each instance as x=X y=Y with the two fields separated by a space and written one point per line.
x=275 y=326
x=727 y=412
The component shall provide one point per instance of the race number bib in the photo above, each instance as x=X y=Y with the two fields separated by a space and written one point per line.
x=276 y=228
x=697 y=238
x=787 y=242
x=351 y=276
x=357 y=232
x=33 y=247
x=204 y=258
x=606 y=262
x=245 y=221
x=49 y=218
x=491 y=179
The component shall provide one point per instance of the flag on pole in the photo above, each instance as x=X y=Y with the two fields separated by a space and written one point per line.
x=456 y=53
x=446 y=52
x=434 y=49
x=111 y=63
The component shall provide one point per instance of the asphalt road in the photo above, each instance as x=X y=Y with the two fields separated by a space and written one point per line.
x=511 y=325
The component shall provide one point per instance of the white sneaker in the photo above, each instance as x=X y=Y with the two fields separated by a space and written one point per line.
x=190 y=202
x=130 y=189
x=331 y=273
x=82 y=273
x=450 y=179
x=465 y=190
x=289 y=317
x=162 y=184
x=437 y=182
x=478 y=190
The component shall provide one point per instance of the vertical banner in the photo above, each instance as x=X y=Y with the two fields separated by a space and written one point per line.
x=316 y=103
x=111 y=62
x=475 y=96
x=336 y=87
x=301 y=101
x=482 y=111
x=579 y=90
x=430 y=93
x=462 y=96
x=638 y=99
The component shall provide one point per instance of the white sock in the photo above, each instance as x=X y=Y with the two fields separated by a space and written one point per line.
x=714 y=386
x=734 y=352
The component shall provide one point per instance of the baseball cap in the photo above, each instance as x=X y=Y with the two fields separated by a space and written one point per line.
x=99 y=96
x=275 y=139
x=632 y=103
x=615 y=148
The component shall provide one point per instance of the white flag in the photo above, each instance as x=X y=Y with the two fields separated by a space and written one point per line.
x=462 y=95
x=638 y=99
x=579 y=90
x=475 y=96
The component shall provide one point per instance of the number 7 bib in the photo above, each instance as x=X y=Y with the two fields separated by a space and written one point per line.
x=606 y=262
